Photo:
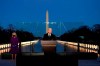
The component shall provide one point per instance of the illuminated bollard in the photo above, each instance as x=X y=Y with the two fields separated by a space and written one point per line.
x=90 y=46
x=96 y=47
x=93 y=46
x=0 y=46
x=3 y=46
x=6 y=46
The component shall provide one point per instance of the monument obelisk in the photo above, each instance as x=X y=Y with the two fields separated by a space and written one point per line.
x=47 y=21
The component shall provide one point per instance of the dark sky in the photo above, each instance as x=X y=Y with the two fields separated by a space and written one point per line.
x=18 y=11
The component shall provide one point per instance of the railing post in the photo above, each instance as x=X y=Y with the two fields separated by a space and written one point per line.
x=78 y=47
x=20 y=48
x=30 y=48
x=65 y=47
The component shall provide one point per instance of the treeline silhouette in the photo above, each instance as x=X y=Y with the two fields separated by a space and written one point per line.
x=5 y=34
x=83 y=34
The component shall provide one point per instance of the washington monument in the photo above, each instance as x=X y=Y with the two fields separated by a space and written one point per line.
x=47 y=21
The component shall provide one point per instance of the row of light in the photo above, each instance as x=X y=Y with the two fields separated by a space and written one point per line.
x=83 y=47
x=88 y=50
x=4 y=50
x=81 y=44
x=6 y=47
x=89 y=46
x=62 y=42
x=22 y=43
x=86 y=47
x=72 y=43
x=29 y=43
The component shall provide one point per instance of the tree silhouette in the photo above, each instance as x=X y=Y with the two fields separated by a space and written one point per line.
x=83 y=34
x=5 y=35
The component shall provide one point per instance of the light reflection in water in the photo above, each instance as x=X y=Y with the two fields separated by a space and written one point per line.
x=72 y=45
x=84 y=47
x=6 y=47
x=4 y=50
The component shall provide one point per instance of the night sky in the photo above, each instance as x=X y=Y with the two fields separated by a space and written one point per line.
x=33 y=11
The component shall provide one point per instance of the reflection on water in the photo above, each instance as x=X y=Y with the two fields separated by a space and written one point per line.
x=83 y=47
x=4 y=50
x=6 y=47
x=71 y=48
x=61 y=46
x=87 y=50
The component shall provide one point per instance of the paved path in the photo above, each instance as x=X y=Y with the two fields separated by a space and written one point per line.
x=7 y=62
x=88 y=63
x=80 y=63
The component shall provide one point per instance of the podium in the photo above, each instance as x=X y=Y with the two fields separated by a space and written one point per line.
x=49 y=46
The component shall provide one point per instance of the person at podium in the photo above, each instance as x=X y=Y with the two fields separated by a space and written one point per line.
x=49 y=35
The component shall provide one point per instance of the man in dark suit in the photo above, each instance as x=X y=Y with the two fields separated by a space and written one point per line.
x=49 y=35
